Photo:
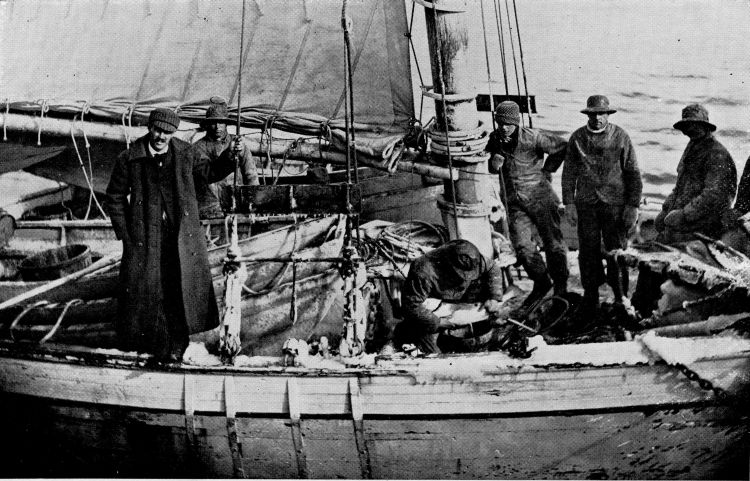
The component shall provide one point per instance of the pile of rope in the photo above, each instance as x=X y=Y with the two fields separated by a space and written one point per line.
x=399 y=243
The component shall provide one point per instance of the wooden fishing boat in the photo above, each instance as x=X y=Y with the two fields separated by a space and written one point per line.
x=575 y=411
x=644 y=408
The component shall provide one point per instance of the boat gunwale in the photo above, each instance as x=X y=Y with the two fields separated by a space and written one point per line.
x=94 y=357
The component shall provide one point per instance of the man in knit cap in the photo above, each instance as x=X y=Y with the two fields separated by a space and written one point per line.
x=211 y=197
x=706 y=182
x=533 y=207
x=167 y=287
x=601 y=188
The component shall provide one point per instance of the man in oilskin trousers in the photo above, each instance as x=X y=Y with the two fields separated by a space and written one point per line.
x=455 y=271
x=532 y=204
x=601 y=189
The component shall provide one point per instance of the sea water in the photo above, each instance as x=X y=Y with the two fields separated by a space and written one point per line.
x=651 y=58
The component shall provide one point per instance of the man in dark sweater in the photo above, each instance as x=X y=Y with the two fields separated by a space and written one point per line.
x=601 y=189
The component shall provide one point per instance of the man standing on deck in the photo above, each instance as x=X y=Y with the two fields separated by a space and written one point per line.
x=167 y=291
x=532 y=204
x=706 y=183
x=211 y=197
x=601 y=188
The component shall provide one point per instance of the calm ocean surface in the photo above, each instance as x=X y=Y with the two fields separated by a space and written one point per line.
x=649 y=57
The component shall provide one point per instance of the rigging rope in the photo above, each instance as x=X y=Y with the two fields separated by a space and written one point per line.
x=513 y=52
x=416 y=60
x=523 y=66
x=501 y=38
x=83 y=168
x=487 y=63
x=239 y=107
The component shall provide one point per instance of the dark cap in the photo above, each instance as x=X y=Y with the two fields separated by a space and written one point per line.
x=508 y=113
x=165 y=119
x=217 y=111
x=598 y=104
x=695 y=113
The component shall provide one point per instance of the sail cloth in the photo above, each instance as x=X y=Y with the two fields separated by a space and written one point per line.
x=120 y=54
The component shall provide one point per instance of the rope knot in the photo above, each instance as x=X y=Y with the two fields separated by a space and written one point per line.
x=5 y=120
x=43 y=109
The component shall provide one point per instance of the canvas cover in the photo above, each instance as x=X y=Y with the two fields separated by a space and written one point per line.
x=114 y=54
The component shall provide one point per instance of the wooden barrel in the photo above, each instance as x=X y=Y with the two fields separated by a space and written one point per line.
x=55 y=263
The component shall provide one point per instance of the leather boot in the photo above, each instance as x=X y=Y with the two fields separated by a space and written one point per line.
x=541 y=288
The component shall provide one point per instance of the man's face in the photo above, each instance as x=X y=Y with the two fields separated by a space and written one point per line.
x=694 y=130
x=506 y=130
x=216 y=130
x=158 y=138
x=598 y=121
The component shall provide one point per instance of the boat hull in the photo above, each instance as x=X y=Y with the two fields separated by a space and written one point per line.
x=101 y=441
x=628 y=421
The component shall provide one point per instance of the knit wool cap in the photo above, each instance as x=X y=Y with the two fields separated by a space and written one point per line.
x=598 y=104
x=694 y=113
x=165 y=119
x=508 y=113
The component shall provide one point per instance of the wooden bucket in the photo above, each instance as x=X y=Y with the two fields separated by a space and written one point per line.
x=55 y=263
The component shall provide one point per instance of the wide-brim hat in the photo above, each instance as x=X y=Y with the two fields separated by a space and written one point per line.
x=694 y=113
x=217 y=111
x=598 y=104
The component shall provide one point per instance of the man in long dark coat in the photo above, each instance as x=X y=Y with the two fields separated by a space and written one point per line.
x=167 y=288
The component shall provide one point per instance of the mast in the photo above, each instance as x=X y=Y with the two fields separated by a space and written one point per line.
x=458 y=138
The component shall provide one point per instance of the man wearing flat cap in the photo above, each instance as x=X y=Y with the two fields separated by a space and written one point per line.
x=601 y=189
x=211 y=197
x=167 y=291
x=706 y=182
x=532 y=203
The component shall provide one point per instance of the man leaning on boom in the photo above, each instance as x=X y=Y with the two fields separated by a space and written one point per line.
x=211 y=197
x=601 y=188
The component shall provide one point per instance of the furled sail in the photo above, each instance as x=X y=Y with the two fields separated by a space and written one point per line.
x=116 y=55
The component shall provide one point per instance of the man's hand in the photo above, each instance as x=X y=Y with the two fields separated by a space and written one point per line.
x=237 y=146
x=569 y=210
x=492 y=306
x=675 y=219
x=496 y=163
x=629 y=218
x=659 y=221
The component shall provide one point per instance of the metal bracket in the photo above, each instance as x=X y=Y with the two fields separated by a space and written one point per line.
x=235 y=447
x=355 y=402
x=292 y=392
